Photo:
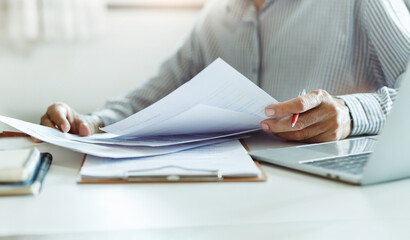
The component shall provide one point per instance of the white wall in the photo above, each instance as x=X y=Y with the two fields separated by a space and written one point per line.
x=84 y=75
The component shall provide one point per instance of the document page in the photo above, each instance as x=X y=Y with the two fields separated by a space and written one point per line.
x=158 y=141
x=64 y=140
x=220 y=94
x=229 y=158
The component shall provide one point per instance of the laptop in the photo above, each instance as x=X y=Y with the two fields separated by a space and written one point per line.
x=364 y=160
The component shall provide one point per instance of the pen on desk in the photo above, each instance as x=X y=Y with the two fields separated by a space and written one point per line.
x=296 y=115
x=12 y=134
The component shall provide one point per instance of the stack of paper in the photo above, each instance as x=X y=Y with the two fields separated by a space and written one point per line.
x=228 y=159
x=222 y=103
x=67 y=140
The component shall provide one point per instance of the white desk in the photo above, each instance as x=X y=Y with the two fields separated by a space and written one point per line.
x=290 y=205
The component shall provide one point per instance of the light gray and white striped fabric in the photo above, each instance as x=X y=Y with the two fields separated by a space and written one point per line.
x=354 y=49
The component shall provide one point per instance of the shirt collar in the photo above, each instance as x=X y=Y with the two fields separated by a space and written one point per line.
x=245 y=10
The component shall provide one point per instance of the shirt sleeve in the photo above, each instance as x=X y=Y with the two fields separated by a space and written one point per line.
x=386 y=24
x=179 y=68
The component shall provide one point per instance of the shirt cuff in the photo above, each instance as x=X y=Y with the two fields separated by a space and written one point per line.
x=366 y=112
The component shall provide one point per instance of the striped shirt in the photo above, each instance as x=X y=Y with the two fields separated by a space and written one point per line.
x=354 y=49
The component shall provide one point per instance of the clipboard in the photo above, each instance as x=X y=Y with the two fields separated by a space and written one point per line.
x=207 y=176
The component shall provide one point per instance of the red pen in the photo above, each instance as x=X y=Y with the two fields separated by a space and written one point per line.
x=296 y=115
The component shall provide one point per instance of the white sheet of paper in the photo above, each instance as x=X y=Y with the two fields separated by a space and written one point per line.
x=219 y=86
x=230 y=158
x=159 y=141
x=64 y=140
x=200 y=121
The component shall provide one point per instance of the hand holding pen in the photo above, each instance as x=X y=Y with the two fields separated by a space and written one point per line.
x=313 y=117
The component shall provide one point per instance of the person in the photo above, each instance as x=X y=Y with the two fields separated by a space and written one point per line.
x=349 y=54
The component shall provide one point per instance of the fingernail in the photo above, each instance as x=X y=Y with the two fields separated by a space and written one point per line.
x=64 y=128
x=265 y=127
x=269 y=112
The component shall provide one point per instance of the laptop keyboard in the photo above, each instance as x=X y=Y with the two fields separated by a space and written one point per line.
x=353 y=164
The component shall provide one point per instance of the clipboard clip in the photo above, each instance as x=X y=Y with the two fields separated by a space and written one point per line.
x=159 y=174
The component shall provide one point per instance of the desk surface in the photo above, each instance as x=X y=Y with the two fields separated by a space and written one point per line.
x=290 y=205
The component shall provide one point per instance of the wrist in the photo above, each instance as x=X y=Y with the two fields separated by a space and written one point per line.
x=347 y=115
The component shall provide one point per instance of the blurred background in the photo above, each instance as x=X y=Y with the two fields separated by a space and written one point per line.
x=82 y=52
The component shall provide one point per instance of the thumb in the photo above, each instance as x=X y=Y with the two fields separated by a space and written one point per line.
x=84 y=129
x=88 y=125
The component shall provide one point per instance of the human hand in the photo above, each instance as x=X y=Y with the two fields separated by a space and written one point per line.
x=62 y=117
x=322 y=118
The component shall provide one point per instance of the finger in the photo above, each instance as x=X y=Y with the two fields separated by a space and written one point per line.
x=75 y=122
x=304 y=134
x=58 y=115
x=321 y=113
x=297 y=105
x=305 y=120
x=276 y=125
x=84 y=130
x=45 y=121
x=82 y=127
